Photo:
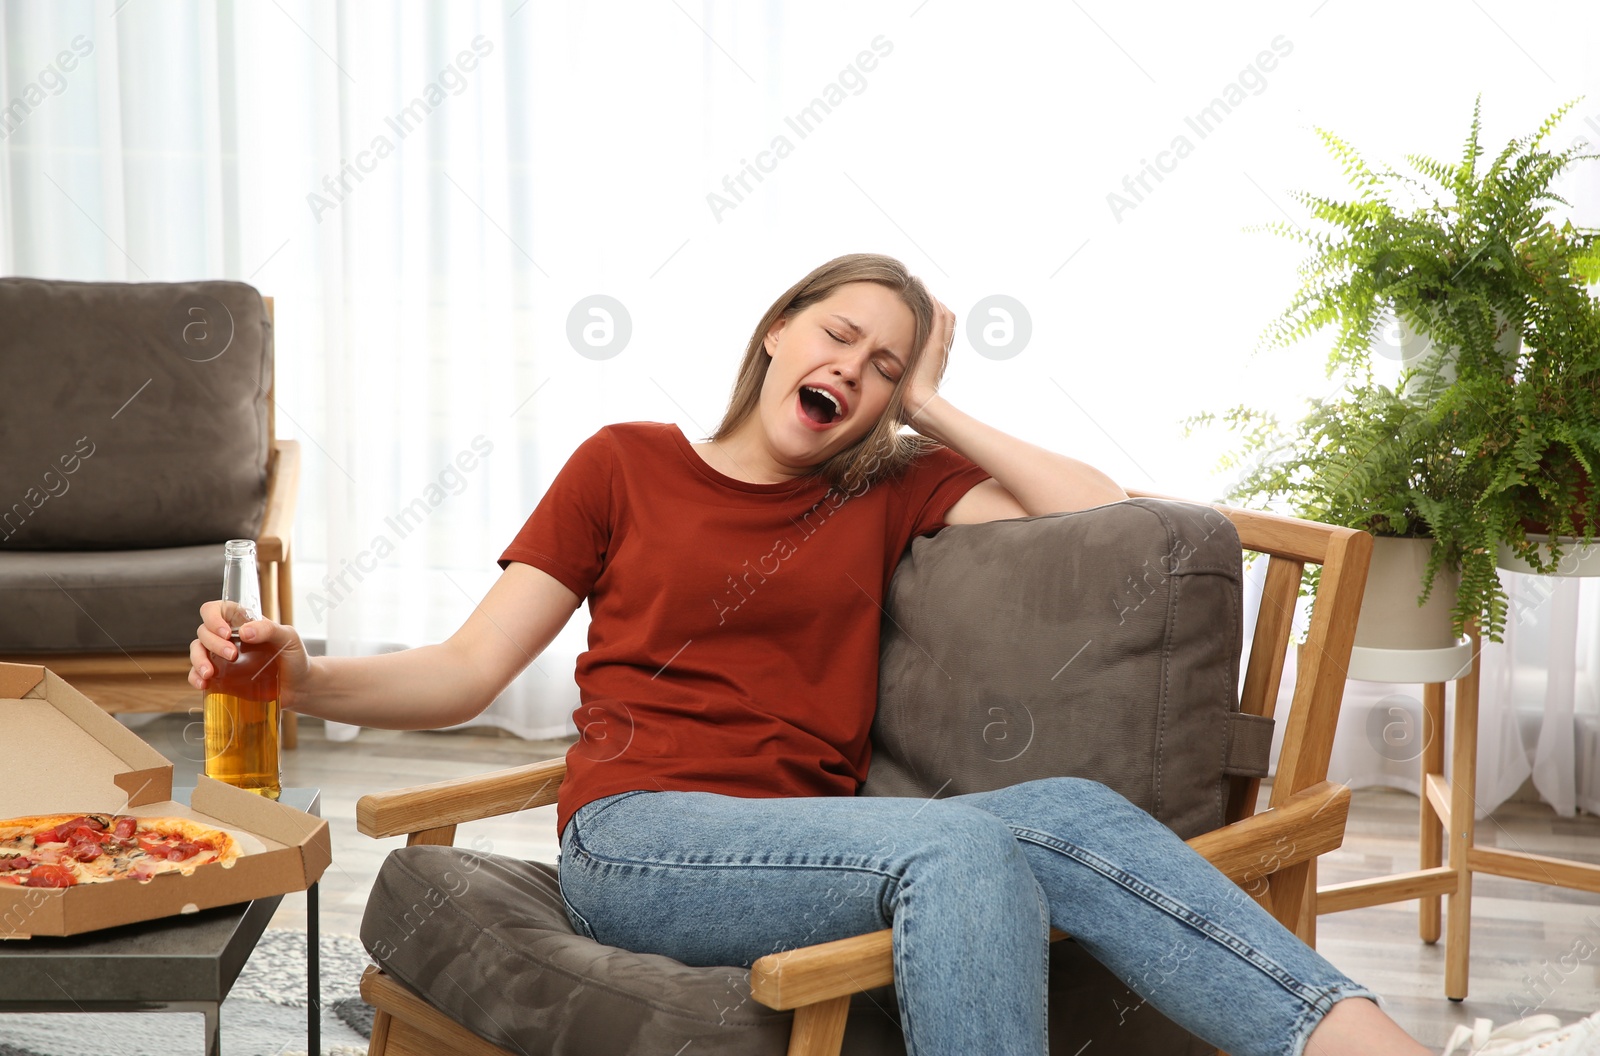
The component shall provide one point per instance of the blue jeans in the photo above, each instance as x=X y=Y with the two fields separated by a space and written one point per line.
x=971 y=886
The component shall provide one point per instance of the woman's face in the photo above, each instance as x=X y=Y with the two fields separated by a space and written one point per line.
x=853 y=346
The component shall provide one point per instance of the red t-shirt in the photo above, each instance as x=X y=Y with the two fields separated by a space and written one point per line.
x=733 y=636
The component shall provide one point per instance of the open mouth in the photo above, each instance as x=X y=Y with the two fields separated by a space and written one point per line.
x=819 y=405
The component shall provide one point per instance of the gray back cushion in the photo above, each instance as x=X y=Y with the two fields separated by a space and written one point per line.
x=1101 y=644
x=136 y=413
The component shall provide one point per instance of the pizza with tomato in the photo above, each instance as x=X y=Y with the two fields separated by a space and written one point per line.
x=62 y=850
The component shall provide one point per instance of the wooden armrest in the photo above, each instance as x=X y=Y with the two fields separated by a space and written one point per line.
x=1272 y=533
x=283 y=492
x=1137 y=494
x=1309 y=823
x=827 y=970
x=460 y=799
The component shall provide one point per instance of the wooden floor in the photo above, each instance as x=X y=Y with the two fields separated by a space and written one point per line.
x=1531 y=945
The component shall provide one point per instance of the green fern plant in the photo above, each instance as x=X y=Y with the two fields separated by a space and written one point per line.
x=1447 y=252
x=1470 y=445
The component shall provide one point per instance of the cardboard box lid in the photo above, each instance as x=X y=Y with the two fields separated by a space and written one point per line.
x=68 y=751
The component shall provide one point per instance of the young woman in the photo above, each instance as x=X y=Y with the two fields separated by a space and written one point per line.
x=734 y=589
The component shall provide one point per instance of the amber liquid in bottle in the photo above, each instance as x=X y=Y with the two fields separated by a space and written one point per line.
x=242 y=720
x=241 y=705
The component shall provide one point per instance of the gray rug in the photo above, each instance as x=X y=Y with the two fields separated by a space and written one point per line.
x=264 y=1015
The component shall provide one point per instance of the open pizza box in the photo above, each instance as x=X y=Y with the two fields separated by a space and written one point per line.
x=66 y=755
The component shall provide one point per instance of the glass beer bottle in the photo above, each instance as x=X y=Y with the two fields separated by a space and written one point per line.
x=241 y=705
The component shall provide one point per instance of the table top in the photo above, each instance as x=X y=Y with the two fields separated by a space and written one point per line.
x=193 y=957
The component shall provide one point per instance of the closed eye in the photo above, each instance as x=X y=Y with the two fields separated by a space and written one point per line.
x=842 y=341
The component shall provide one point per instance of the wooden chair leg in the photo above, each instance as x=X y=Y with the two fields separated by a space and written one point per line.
x=267 y=585
x=1307 y=928
x=283 y=595
x=380 y=1034
x=1431 y=832
x=819 y=1028
x=1286 y=899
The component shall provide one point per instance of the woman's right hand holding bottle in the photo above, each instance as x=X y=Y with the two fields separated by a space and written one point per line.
x=213 y=642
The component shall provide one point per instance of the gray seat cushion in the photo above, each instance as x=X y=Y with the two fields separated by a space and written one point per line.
x=486 y=939
x=106 y=600
x=136 y=414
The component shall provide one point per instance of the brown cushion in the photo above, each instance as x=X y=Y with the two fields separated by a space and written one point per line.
x=105 y=600
x=1101 y=644
x=485 y=939
x=136 y=413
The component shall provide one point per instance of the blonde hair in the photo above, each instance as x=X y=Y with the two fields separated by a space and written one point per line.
x=884 y=451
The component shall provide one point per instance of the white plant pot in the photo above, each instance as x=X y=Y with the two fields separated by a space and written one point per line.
x=1575 y=560
x=1417 y=348
x=1390 y=617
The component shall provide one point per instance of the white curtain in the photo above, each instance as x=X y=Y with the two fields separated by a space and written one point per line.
x=435 y=191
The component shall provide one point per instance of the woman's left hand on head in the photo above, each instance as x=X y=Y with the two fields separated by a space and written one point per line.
x=923 y=384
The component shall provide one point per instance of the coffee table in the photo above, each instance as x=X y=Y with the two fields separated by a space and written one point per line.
x=177 y=964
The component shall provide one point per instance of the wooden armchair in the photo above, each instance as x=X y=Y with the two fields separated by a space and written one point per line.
x=111 y=610
x=1271 y=854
